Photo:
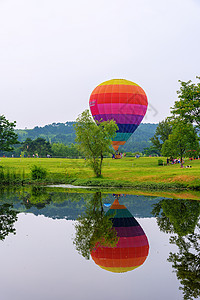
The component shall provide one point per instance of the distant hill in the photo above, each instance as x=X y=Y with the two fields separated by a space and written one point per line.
x=53 y=133
x=65 y=133
x=140 y=139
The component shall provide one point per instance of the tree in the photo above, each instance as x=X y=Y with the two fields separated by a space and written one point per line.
x=163 y=130
x=38 y=146
x=188 y=105
x=61 y=150
x=94 y=141
x=8 y=137
x=182 y=139
x=150 y=151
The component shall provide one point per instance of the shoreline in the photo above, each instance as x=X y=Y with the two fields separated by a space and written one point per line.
x=172 y=193
x=106 y=183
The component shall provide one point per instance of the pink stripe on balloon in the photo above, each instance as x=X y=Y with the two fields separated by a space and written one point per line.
x=119 y=108
x=136 y=241
x=94 y=109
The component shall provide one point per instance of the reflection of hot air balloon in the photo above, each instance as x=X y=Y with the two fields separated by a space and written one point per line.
x=132 y=248
x=120 y=100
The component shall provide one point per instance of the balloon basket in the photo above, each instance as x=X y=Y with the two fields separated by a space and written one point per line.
x=117 y=156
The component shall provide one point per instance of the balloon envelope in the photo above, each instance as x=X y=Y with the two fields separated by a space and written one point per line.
x=120 y=100
x=132 y=248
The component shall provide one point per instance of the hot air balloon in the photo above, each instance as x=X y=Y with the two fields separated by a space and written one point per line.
x=132 y=247
x=120 y=100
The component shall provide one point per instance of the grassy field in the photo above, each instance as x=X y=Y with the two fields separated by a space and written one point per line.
x=143 y=172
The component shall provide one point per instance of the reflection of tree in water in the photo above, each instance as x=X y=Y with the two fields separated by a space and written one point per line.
x=187 y=263
x=37 y=197
x=7 y=219
x=181 y=217
x=93 y=228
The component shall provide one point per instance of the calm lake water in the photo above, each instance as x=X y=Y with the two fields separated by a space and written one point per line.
x=46 y=236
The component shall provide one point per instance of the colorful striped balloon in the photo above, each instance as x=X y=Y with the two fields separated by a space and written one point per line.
x=132 y=248
x=120 y=100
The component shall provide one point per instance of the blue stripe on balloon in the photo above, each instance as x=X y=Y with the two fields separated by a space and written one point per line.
x=127 y=127
x=122 y=136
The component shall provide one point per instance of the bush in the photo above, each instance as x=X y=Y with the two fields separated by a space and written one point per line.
x=1 y=174
x=38 y=173
x=160 y=162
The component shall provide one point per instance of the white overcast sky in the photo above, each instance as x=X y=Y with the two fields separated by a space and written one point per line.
x=53 y=53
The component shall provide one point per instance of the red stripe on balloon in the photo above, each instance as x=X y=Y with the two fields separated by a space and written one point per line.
x=119 y=98
x=121 y=253
x=116 y=263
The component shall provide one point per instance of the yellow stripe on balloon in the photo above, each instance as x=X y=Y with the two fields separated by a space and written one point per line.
x=118 y=81
x=119 y=270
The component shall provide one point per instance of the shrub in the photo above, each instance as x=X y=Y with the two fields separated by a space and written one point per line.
x=1 y=174
x=38 y=172
x=160 y=162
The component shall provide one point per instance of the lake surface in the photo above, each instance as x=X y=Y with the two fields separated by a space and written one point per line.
x=44 y=236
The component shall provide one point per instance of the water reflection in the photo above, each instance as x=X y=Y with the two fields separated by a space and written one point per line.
x=98 y=228
x=65 y=204
x=94 y=228
x=115 y=240
x=7 y=219
x=35 y=197
x=181 y=218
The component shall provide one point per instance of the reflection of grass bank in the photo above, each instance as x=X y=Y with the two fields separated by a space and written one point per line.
x=174 y=194
x=142 y=173
x=39 y=196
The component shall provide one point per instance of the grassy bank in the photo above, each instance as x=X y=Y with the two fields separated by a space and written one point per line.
x=142 y=173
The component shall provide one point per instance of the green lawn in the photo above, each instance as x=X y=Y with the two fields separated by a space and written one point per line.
x=143 y=170
x=146 y=169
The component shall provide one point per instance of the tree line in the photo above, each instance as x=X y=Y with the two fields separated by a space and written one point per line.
x=64 y=133
x=42 y=148
x=10 y=145
x=58 y=140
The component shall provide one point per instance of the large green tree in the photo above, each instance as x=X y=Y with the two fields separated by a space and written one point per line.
x=8 y=137
x=38 y=146
x=188 y=105
x=61 y=150
x=94 y=140
x=163 y=130
x=182 y=140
